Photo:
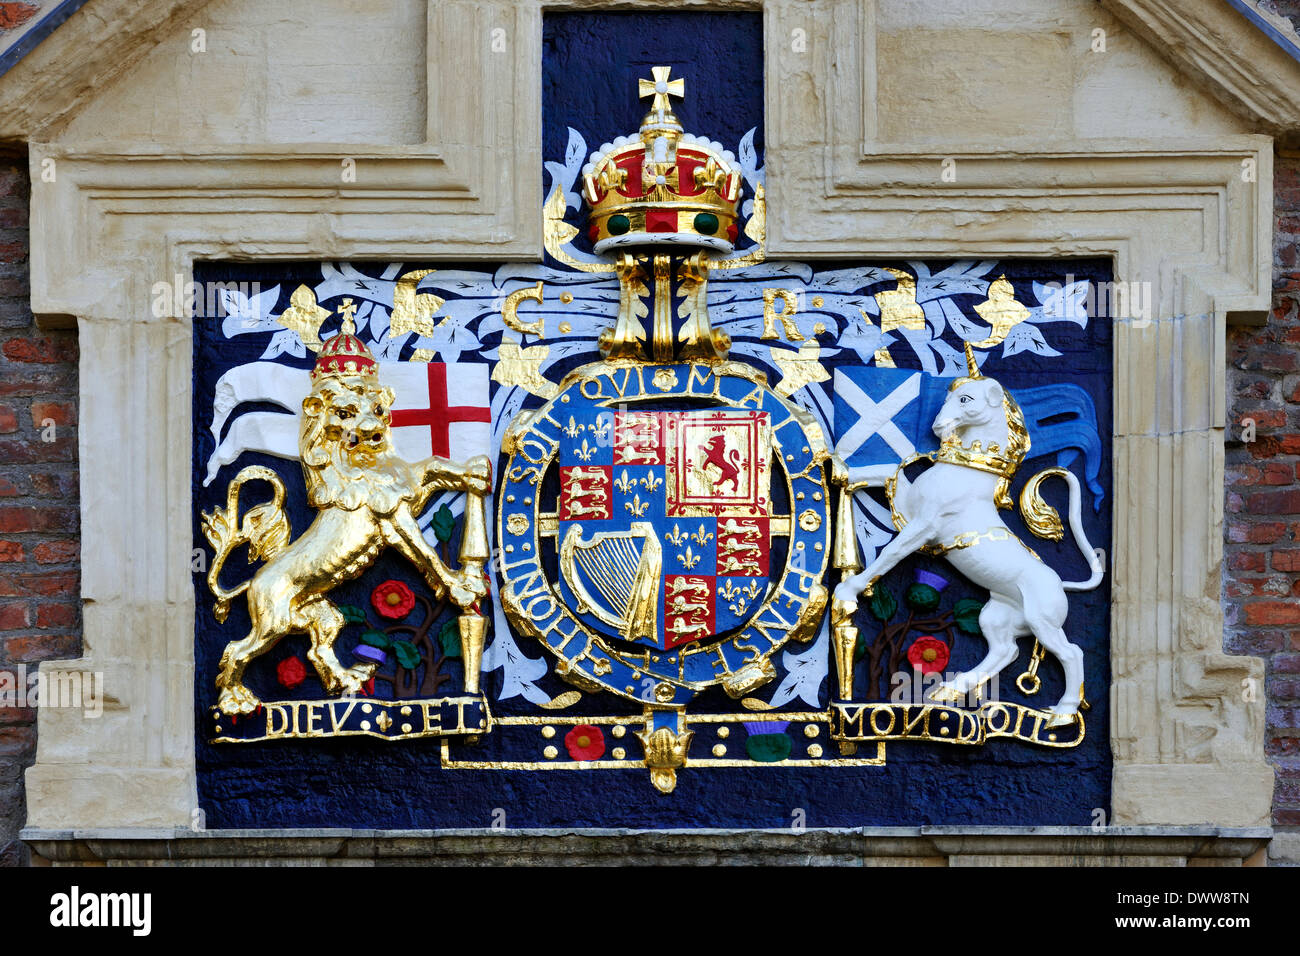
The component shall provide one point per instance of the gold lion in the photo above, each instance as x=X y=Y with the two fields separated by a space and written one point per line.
x=368 y=499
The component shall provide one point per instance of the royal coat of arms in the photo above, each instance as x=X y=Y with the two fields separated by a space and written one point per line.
x=703 y=526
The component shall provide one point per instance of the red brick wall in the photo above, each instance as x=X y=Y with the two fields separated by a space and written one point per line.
x=40 y=605
x=1262 y=550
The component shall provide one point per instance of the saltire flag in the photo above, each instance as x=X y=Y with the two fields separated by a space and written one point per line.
x=884 y=416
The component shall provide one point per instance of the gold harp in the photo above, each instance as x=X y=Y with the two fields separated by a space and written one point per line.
x=625 y=576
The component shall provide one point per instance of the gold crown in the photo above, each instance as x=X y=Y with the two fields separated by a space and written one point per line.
x=662 y=186
x=344 y=354
x=953 y=452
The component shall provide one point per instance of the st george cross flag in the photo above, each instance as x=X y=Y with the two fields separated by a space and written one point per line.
x=439 y=409
x=884 y=415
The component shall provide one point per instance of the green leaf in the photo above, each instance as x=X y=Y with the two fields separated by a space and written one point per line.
x=860 y=646
x=352 y=614
x=966 y=614
x=377 y=639
x=407 y=655
x=883 y=606
x=922 y=597
x=443 y=524
x=449 y=638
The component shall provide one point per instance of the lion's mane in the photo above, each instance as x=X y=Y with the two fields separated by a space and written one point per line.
x=333 y=481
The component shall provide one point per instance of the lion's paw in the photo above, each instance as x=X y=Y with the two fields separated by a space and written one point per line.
x=353 y=678
x=478 y=476
x=238 y=700
x=466 y=597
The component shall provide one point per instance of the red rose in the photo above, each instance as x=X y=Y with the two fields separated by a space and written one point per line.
x=290 y=672
x=928 y=654
x=585 y=742
x=393 y=599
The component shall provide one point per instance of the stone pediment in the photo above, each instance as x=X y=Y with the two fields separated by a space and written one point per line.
x=62 y=60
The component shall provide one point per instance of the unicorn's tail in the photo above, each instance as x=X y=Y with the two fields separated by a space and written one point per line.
x=1044 y=521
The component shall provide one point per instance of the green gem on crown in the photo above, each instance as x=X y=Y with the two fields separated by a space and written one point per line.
x=706 y=223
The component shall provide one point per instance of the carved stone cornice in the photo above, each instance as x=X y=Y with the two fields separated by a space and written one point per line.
x=1233 y=58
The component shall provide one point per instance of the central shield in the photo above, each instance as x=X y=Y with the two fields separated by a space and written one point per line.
x=664 y=521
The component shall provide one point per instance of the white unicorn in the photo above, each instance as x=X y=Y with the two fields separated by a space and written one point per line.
x=952 y=510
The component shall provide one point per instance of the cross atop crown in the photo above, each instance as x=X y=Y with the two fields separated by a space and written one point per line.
x=661 y=88
x=347 y=310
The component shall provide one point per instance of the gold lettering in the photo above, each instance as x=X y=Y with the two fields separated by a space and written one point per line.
x=555 y=626
x=313 y=718
x=530 y=445
x=619 y=389
x=849 y=723
x=335 y=721
x=740 y=645
x=922 y=718
x=875 y=728
x=1020 y=718
x=273 y=711
x=432 y=716
x=991 y=710
x=703 y=374
x=536 y=584
x=550 y=601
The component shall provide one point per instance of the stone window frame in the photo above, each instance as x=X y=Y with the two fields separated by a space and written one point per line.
x=1187 y=741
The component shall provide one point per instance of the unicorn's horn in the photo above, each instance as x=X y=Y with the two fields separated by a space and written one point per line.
x=971 y=367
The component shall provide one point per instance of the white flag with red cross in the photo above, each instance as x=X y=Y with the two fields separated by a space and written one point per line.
x=439 y=408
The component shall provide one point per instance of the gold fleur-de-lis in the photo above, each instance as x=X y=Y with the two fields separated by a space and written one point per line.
x=690 y=559
x=573 y=429
x=624 y=483
x=752 y=590
x=585 y=452
x=729 y=590
x=702 y=536
x=601 y=428
x=677 y=536
x=651 y=482
x=636 y=506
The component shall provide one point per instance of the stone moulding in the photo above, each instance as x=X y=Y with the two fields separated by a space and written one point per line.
x=1187 y=735
x=917 y=846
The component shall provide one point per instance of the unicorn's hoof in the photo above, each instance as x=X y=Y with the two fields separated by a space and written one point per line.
x=1062 y=716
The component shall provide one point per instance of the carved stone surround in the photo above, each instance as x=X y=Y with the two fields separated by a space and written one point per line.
x=1187 y=743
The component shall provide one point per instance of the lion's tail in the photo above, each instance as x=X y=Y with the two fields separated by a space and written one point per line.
x=265 y=529
x=1044 y=521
